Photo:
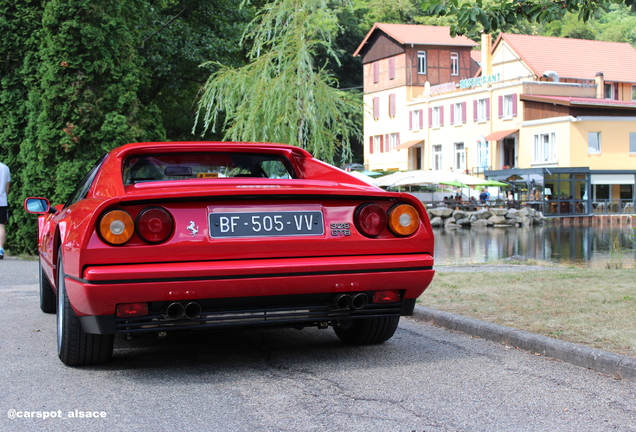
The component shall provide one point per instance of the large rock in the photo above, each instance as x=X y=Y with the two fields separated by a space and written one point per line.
x=449 y=221
x=463 y=222
x=482 y=214
x=498 y=212
x=494 y=220
x=442 y=212
x=437 y=222
x=459 y=214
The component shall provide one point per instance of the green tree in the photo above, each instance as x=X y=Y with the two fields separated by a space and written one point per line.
x=388 y=11
x=20 y=24
x=474 y=16
x=571 y=27
x=176 y=37
x=283 y=95
x=84 y=101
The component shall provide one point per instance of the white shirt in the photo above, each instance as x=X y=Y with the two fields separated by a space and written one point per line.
x=5 y=177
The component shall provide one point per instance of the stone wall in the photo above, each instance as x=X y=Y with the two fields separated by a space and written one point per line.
x=492 y=217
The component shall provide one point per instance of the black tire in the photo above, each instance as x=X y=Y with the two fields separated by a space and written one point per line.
x=74 y=347
x=367 y=330
x=48 y=302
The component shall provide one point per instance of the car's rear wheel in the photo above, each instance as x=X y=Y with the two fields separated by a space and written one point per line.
x=367 y=330
x=74 y=347
x=47 y=295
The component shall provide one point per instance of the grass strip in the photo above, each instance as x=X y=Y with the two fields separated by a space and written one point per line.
x=592 y=307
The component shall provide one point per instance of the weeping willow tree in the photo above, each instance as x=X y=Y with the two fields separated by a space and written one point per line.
x=284 y=94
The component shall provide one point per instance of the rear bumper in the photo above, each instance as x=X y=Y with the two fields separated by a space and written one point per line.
x=271 y=282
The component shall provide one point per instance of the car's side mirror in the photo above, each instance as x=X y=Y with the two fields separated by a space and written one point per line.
x=38 y=206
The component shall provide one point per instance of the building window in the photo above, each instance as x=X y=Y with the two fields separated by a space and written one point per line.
x=454 y=57
x=508 y=106
x=609 y=91
x=482 y=110
x=436 y=117
x=594 y=142
x=394 y=140
x=376 y=72
x=437 y=157
x=377 y=144
x=392 y=105
x=376 y=108
x=634 y=92
x=460 y=157
x=421 y=62
x=545 y=147
x=458 y=113
x=484 y=155
x=392 y=68
x=416 y=120
x=632 y=142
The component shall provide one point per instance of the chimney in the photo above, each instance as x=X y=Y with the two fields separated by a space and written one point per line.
x=486 y=54
x=600 y=85
x=551 y=75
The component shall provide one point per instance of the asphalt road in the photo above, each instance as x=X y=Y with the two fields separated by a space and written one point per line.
x=424 y=379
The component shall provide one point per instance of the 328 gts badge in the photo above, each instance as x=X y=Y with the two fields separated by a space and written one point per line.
x=340 y=229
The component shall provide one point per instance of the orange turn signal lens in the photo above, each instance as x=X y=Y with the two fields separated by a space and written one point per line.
x=403 y=220
x=116 y=227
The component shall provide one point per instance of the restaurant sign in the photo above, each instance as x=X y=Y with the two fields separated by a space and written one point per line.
x=443 y=88
x=474 y=82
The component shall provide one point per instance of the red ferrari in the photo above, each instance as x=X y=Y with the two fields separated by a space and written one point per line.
x=171 y=237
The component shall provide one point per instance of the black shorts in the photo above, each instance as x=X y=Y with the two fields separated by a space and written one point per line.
x=4 y=215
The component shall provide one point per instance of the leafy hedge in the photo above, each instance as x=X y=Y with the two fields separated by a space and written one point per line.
x=80 y=77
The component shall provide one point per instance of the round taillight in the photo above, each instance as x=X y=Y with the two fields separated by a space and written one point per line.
x=154 y=225
x=403 y=220
x=371 y=219
x=116 y=227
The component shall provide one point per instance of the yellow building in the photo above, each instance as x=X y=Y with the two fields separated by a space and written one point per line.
x=556 y=118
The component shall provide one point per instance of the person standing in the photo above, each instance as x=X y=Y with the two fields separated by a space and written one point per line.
x=483 y=196
x=5 y=182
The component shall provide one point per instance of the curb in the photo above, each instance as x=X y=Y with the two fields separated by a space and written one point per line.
x=605 y=362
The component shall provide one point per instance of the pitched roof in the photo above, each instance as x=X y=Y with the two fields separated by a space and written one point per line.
x=418 y=35
x=574 y=58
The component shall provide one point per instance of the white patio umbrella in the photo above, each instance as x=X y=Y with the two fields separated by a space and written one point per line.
x=408 y=178
x=421 y=177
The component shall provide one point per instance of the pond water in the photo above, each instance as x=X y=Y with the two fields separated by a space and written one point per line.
x=581 y=246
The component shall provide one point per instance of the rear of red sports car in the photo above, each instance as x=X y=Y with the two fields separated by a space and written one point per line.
x=170 y=237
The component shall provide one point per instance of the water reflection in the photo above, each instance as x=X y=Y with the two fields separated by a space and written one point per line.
x=591 y=246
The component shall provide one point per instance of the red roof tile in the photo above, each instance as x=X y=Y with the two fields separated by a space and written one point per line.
x=574 y=58
x=418 y=35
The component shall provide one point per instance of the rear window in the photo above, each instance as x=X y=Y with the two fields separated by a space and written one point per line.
x=163 y=167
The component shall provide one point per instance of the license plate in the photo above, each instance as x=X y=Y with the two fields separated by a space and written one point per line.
x=266 y=224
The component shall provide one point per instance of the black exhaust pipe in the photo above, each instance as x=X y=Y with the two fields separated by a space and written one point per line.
x=192 y=310
x=174 y=311
x=341 y=301
x=359 y=301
